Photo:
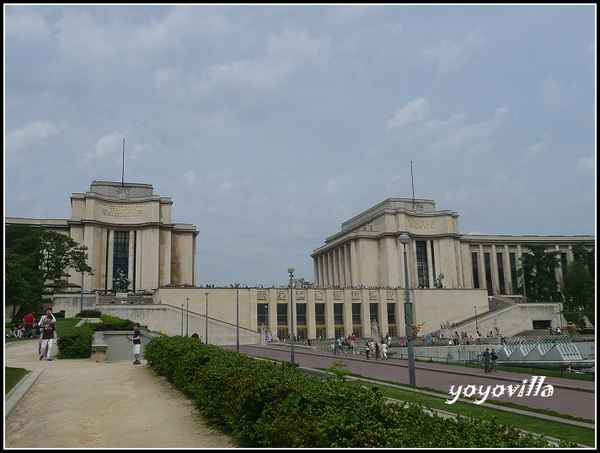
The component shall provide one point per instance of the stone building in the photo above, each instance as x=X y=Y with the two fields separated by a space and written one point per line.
x=366 y=251
x=128 y=232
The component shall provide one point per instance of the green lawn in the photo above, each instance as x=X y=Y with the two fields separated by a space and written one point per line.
x=12 y=376
x=530 y=424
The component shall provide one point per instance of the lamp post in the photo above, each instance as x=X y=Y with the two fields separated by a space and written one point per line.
x=404 y=239
x=182 y=320
x=187 y=316
x=291 y=272
x=206 y=319
x=83 y=248
x=237 y=323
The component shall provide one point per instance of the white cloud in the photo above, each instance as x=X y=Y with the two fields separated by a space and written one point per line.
x=552 y=92
x=29 y=27
x=450 y=56
x=537 y=150
x=31 y=134
x=415 y=110
x=110 y=145
x=586 y=165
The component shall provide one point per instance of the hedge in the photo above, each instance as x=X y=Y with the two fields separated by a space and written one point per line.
x=76 y=343
x=268 y=404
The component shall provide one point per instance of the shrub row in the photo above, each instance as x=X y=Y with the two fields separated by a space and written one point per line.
x=267 y=404
x=76 y=343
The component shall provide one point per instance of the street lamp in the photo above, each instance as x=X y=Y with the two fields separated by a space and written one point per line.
x=404 y=239
x=291 y=272
x=182 y=320
x=237 y=323
x=206 y=319
x=187 y=316
x=83 y=248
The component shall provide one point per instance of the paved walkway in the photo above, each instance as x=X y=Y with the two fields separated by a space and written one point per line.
x=571 y=397
x=84 y=404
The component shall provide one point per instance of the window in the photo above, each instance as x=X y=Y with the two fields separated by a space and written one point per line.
x=475 y=270
x=282 y=312
x=501 y=272
x=301 y=315
x=488 y=271
x=262 y=315
x=513 y=272
x=356 y=315
x=422 y=265
x=121 y=255
x=320 y=315
x=338 y=314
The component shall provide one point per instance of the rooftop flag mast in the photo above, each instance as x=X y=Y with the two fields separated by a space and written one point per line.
x=123 y=170
x=413 y=184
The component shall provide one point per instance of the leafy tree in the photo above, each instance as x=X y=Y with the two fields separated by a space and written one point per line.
x=538 y=267
x=34 y=256
x=578 y=285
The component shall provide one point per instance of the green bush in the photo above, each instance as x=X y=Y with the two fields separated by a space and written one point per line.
x=267 y=404
x=76 y=343
x=89 y=314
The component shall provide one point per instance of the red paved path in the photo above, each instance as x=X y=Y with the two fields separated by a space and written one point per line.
x=568 y=397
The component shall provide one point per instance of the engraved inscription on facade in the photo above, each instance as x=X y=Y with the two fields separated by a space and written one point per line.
x=355 y=295
x=262 y=295
x=318 y=295
x=422 y=224
x=300 y=295
x=390 y=295
x=281 y=295
x=372 y=295
x=337 y=295
x=123 y=211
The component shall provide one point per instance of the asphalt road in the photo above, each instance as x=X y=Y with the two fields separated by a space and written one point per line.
x=571 y=397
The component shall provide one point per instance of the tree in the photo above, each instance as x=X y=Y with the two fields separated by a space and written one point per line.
x=34 y=256
x=538 y=268
x=578 y=285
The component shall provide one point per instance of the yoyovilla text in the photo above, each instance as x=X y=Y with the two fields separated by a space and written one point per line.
x=526 y=388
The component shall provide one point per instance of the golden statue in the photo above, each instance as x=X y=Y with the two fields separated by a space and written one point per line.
x=416 y=328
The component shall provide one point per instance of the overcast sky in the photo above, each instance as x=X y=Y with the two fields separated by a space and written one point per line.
x=269 y=126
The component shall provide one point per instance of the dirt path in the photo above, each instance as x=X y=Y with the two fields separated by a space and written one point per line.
x=83 y=404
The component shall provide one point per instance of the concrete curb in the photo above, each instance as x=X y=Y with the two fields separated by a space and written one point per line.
x=13 y=397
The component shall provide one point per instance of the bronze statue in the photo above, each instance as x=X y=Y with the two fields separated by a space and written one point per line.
x=121 y=282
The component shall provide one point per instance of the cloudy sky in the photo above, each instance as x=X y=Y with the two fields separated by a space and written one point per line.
x=269 y=126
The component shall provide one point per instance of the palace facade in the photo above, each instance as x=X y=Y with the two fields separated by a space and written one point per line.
x=367 y=252
x=128 y=232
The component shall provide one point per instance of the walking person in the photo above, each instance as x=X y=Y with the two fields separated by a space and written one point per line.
x=29 y=319
x=486 y=360
x=48 y=329
x=137 y=343
x=494 y=358
x=46 y=317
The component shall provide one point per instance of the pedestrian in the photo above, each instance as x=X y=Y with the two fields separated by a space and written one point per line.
x=48 y=329
x=43 y=320
x=486 y=360
x=384 y=348
x=29 y=319
x=137 y=343
x=367 y=349
x=494 y=358
x=377 y=354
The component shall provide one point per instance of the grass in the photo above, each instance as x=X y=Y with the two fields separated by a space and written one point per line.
x=61 y=324
x=12 y=376
x=531 y=424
